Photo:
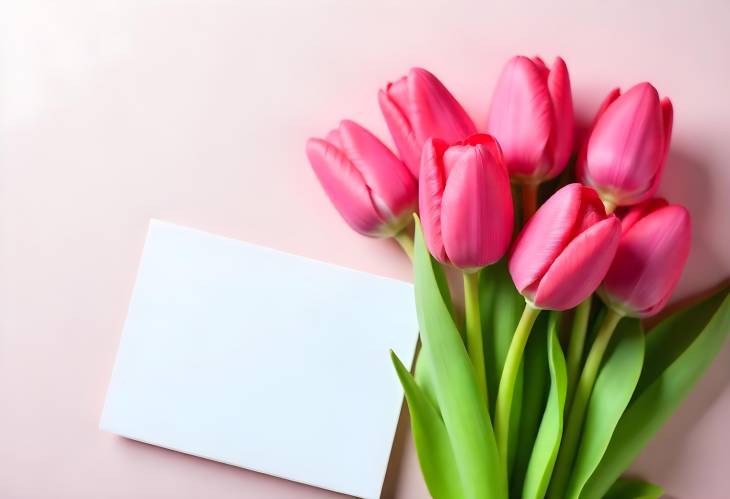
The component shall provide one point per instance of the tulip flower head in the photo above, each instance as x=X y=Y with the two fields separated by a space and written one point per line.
x=564 y=251
x=532 y=118
x=651 y=255
x=623 y=157
x=418 y=106
x=370 y=187
x=465 y=201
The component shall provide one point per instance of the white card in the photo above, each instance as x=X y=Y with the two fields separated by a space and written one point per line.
x=262 y=360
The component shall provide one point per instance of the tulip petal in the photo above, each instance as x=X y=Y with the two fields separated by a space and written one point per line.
x=401 y=131
x=431 y=184
x=344 y=185
x=668 y=122
x=434 y=112
x=544 y=236
x=391 y=184
x=639 y=211
x=650 y=260
x=476 y=209
x=560 y=144
x=521 y=115
x=580 y=170
x=590 y=213
x=626 y=146
x=580 y=268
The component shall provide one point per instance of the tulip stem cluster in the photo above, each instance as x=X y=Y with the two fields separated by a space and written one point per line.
x=509 y=376
x=529 y=200
x=576 y=345
x=577 y=411
x=405 y=241
x=474 y=340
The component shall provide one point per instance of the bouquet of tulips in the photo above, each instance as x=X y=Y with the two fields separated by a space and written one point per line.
x=548 y=384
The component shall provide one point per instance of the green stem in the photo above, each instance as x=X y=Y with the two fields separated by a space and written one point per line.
x=405 y=241
x=576 y=345
x=610 y=206
x=509 y=375
x=474 y=340
x=574 y=423
x=529 y=201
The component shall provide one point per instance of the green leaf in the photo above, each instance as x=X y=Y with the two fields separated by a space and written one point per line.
x=547 y=443
x=708 y=323
x=611 y=394
x=424 y=376
x=462 y=405
x=432 y=441
x=626 y=488
x=501 y=308
x=534 y=398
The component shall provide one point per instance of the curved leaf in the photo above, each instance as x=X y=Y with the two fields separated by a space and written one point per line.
x=501 y=307
x=432 y=441
x=633 y=489
x=611 y=394
x=462 y=405
x=547 y=443
x=534 y=398
x=708 y=323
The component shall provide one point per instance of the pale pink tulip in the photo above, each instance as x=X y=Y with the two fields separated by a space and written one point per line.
x=565 y=249
x=624 y=154
x=370 y=187
x=418 y=106
x=654 y=246
x=465 y=201
x=532 y=118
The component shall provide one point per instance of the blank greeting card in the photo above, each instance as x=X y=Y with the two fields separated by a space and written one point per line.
x=263 y=360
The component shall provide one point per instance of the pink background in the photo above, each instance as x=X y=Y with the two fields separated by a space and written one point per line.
x=196 y=112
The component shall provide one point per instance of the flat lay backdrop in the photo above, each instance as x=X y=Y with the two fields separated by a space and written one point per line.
x=196 y=112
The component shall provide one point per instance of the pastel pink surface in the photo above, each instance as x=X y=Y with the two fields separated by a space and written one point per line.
x=197 y=113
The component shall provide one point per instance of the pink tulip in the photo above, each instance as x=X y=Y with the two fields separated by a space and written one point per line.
x=465 y=201
x=417 y=107
x=565 y=249
x=370 y=187
x=624 y=154
x=654 y=246
x=532 y=118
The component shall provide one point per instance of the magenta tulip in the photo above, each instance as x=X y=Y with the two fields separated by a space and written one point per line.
x=370 y=187
x=532 y=118
x=624 y=154
x=417 y=107
x=565 y=249
x=654 y=246
x=465 y=201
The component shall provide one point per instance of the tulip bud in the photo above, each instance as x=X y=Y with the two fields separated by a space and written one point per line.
x=370 y=187
x=654 y=246
x=532 y=118
x=417 y=107
x=624 y=154
x=565 y=249
x=465 y=201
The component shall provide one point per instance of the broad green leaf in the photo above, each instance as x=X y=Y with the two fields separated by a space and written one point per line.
x=501 y=308
x=611 y=394
x=432 y=441
x=534 y=397
x=709 y=324
x=424 y=376
x=671 y=337
x=462 y=405
x=547 y=443
x=626 y=488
